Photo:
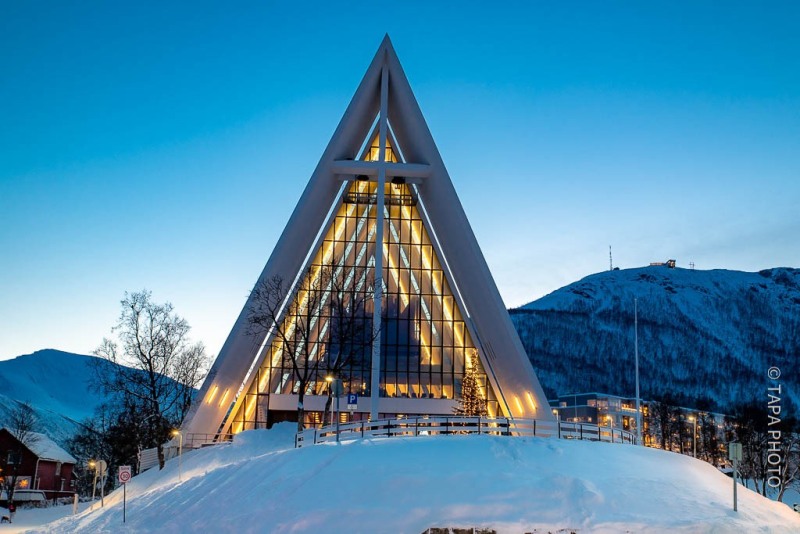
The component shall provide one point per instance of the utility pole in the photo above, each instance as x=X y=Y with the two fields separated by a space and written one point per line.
x=610 y=262
x=735 y=456
x=636 y=350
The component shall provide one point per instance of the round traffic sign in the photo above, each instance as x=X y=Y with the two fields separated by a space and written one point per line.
x=124 y=473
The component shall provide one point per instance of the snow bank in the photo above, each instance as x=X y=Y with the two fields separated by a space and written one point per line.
x=259 y=483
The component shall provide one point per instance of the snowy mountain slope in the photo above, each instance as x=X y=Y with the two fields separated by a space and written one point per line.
x=702 y=334
x=259 y=483
x=56 y=384
x=54 y=425
x=53 y=380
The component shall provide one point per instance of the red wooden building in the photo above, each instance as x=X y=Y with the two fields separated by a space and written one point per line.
x=40 y=465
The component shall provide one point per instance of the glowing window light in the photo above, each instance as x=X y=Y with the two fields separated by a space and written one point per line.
x=212 y=394
x=263 y=382
x=448 y=306
x=374 y=151
x=519 y=405
x=414 y=282
x=530 y=400
x=250 y=402
x=224 y=396
x=416 y=229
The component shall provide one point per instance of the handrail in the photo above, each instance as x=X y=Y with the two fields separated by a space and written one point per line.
x=448 y=425
x=196 y=440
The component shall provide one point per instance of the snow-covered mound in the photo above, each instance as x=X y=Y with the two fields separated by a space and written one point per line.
x=259 y=483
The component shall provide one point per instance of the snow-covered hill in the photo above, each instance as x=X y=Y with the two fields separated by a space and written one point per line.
x=56 y=384
x=259 y=483
x=711 y=334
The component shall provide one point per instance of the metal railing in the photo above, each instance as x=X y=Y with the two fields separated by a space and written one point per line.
x=372 y=198
x=449 y=425
x=197 y=440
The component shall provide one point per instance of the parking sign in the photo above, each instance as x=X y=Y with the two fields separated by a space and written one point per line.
x=352 y=401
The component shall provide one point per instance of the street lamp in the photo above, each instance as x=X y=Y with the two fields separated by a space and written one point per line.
x=337 y=390
x=99 y=467
x=558 y=421
x=329 y=380
x=93 y=465
x=177 y=433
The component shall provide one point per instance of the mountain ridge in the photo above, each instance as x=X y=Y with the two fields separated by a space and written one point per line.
x=706 y=337
x=697 y=331
x=56 y=383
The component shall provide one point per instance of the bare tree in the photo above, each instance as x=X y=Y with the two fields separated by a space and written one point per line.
x=789 y=472
x=22 y=424
x=708 y=444
x=351 y=333
x=660 y=414
x=154 y=367
x=319 y=325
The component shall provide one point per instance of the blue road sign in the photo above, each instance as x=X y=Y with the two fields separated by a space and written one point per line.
x=352 y=401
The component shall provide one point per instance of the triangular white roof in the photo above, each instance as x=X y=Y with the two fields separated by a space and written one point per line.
x=384 y=92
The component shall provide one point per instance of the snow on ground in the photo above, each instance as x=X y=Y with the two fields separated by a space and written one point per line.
x=259 y=483
x=31 y=518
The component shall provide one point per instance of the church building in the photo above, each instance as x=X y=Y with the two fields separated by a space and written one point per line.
x=376 y=291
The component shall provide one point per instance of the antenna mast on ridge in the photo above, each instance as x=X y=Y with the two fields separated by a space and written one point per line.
x=610 y=263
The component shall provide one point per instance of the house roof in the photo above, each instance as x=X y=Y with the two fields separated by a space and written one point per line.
x=47 y=449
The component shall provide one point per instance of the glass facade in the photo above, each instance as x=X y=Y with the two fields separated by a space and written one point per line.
x=425 y=345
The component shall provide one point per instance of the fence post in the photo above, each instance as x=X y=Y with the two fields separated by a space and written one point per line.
x=534 y=427
x=480 y=431
x=558 y=424
x=416 y=426
x=580 y=429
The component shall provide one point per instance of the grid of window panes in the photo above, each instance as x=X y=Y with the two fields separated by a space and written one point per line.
x=348 y=250
x=424 y=341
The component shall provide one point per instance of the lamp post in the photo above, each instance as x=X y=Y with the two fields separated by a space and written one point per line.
x=338 y=388
x=329 y=380
x=93 y=465
x=636 y=350
x=178 y=433
x=100 y=467
x=103 y=472
x=335 y=388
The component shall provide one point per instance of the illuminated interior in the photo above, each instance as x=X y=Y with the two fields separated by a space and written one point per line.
x=425 y=345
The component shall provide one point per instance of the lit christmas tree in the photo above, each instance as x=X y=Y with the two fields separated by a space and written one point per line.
x=471 y=402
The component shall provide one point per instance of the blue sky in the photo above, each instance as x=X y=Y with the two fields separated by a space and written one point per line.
x=163 y=146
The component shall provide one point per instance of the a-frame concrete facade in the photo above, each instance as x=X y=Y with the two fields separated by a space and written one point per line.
x=383 y=117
